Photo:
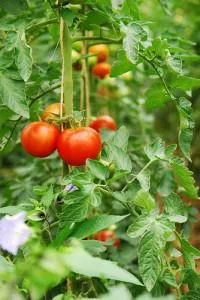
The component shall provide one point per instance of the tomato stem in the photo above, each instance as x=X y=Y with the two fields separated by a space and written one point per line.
x=67 y=79
x=86 y=82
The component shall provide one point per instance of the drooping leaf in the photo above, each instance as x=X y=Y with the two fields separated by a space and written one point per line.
x=81 y=262
x=24 y=57
x=13 y=94
x=149 y=260
x=186 y=126
x=133 y=34
x=185 y=177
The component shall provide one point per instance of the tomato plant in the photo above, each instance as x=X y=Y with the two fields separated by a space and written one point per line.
x=104 y=96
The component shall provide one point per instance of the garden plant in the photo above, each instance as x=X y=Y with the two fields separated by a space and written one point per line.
x=99 y=140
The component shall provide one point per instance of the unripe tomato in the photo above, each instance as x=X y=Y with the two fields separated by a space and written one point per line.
x=103 y=122
x=51 y=111
x=104 y=235
x=75 y=146
x=92 y=60
x=78 y=46
x=39 y=138
x=100 y=50
x=101 y=70
x=75 y=56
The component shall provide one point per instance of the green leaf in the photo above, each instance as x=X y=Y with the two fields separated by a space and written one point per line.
x=95 y=224
x=5 y=266
x=68 y=15
x=117 y=292
x=191 y=295
x=186 y=126
x=62 y=234
x=81 y=262
x=185 y=177
x=95 y=198
x=140 y=226
x=97 y=169
x=24 y=57
x=133 y=34
x=145 y=200
x=192 y=251
x=11 y=210
x=175 y=208
x=167 y=183
x=120 y=65
x=155 y=97
x=144 y=180
x=186 y=83
x=13 y=6
x=119 y=157
x=174 y=63
x=149 y=260
x=165 y=5
x=121 y=137
x=156 y=149
x=94 y=247
x=77 y=210
x=48 y=197
x=13 y=94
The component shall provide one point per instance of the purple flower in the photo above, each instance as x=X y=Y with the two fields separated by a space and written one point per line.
x=70 y=188
x=13 y=232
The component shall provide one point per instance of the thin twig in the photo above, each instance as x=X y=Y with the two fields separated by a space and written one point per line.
x=41 y=24
x=159 y=75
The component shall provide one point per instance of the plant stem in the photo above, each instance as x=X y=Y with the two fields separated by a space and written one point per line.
x=159 y=75
x=135 y=176
x=97 y=38
x=41 y=24
x=86 y=83
x=67 y=79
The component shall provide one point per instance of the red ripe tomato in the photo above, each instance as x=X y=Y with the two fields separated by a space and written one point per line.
x=39 y=138
x=51 y=111
x=101 y=51
x=75 y=146
x=103 y=122
x=117 y=243
x=101 y=70
x=104 y=235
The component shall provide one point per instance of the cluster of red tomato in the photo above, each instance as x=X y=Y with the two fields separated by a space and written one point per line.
x=74 y=146
x=106 y=235
x=102 y=68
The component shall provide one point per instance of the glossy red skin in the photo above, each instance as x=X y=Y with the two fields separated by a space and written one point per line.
x=103 y=235
x=39 y=138
x=75 y=146
x=103 y=122
x=101 y=69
